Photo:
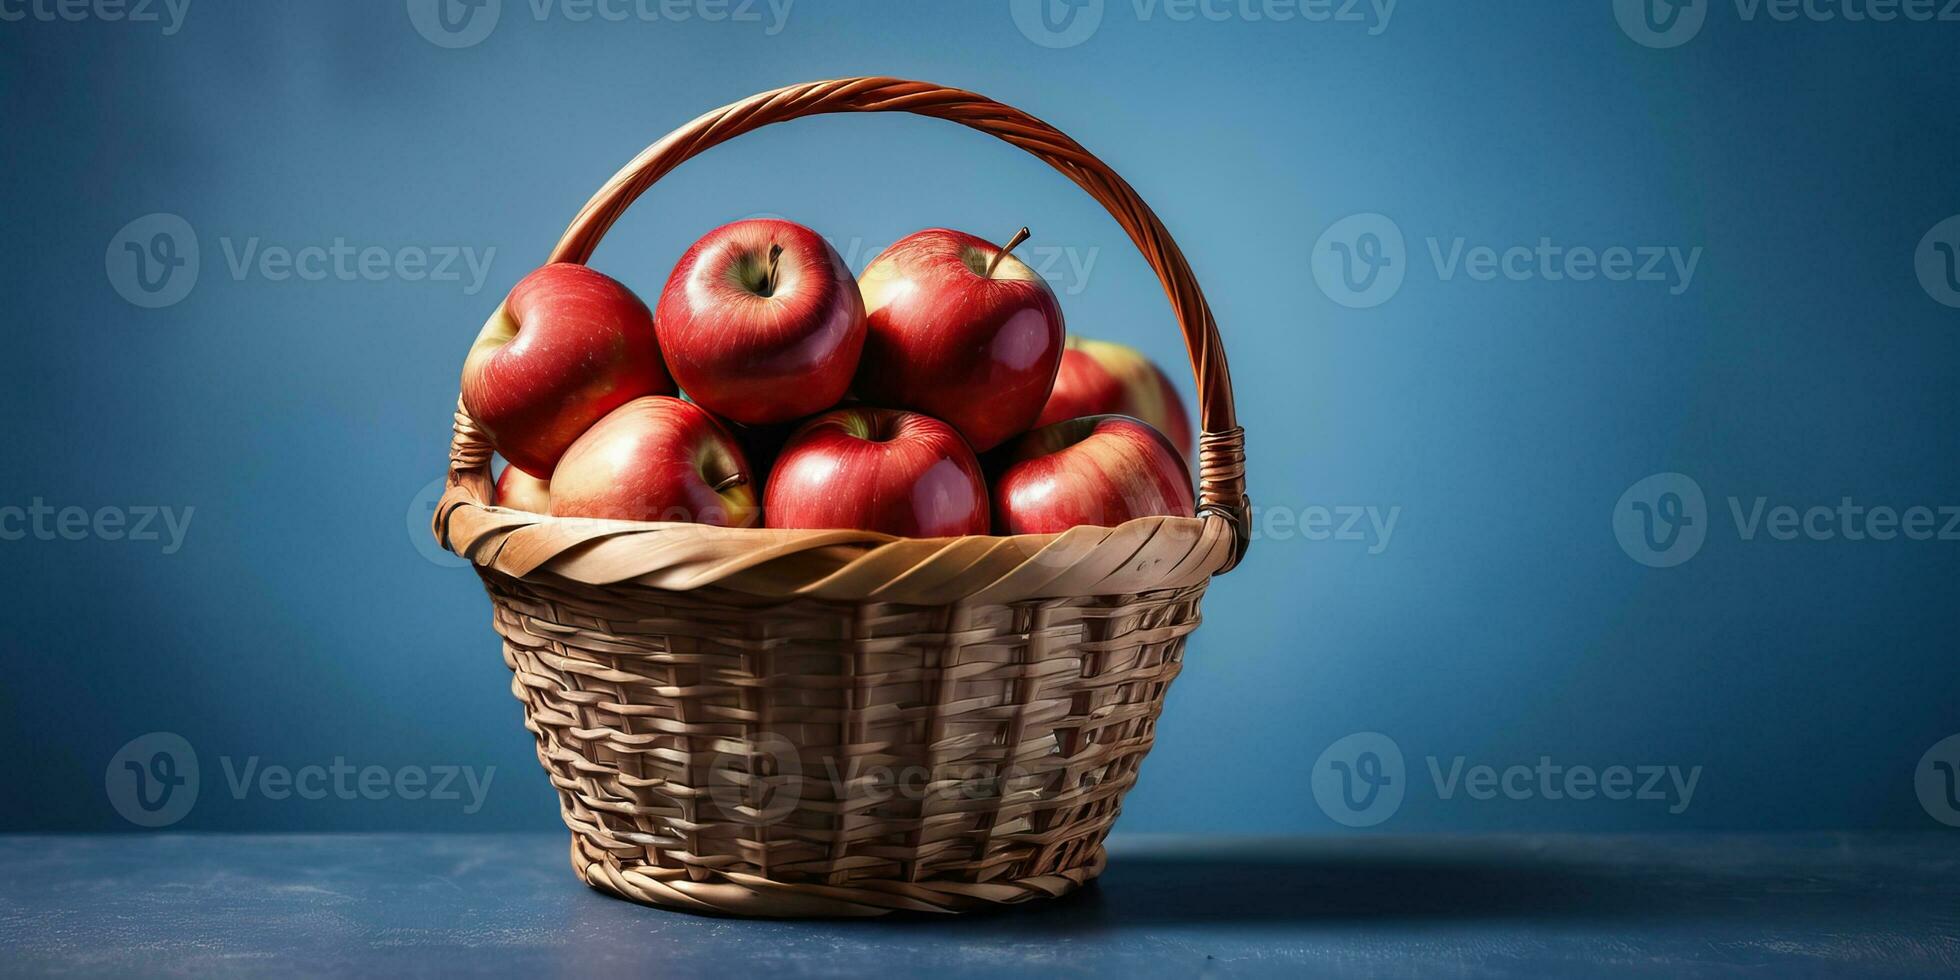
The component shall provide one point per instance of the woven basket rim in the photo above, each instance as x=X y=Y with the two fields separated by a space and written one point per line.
x=1142 y=555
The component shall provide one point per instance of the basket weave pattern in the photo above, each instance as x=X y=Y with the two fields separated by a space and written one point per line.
x=1007 y=735
x=791 y=723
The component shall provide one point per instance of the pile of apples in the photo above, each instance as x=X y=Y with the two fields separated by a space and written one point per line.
x=937 y=395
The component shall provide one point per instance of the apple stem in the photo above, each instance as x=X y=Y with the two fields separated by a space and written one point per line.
x=730 y=481
x=1019 y=237
x=769 y=281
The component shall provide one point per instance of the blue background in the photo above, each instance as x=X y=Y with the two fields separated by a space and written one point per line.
x=304 y=620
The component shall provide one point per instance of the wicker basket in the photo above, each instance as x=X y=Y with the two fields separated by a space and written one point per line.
x=791 y=723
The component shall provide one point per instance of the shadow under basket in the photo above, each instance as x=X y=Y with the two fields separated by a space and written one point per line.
x=843 y=723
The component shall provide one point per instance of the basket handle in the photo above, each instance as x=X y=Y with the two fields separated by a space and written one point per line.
x=1221 y=444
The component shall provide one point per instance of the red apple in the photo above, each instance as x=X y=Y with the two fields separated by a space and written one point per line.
x=656 y=459
x=566 y=347
x=1103 y=378
x=876 y=469
x=761 y=322
x=519 y=490
x=961 y=331
x=1105 y=469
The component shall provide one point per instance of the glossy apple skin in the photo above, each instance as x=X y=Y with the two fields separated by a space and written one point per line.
x=979 y=353
x=1098 y=377
x=878 y=469
x=1101 y=470
x=750 y=353
x=656 y=459
x=519 y=490
x=567 y=346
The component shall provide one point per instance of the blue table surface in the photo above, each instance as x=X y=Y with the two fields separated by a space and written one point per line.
x=410 y=904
